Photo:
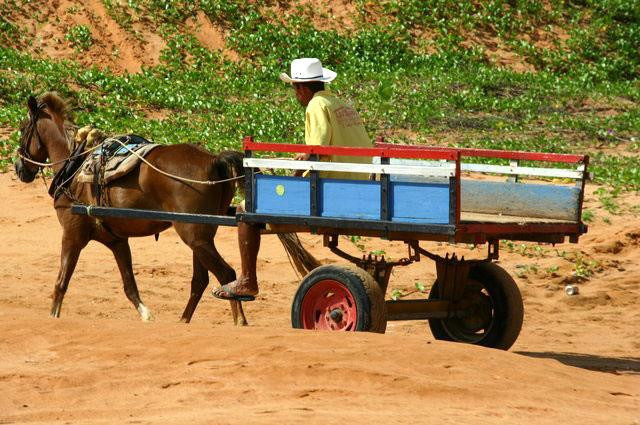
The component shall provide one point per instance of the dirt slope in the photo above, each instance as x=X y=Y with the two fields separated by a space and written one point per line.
x=99 y=364
x=125 y=40
x=121 y=49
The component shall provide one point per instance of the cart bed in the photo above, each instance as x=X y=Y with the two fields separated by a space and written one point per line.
x=419 y=193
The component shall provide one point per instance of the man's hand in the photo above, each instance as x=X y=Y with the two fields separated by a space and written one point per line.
x=302 y=157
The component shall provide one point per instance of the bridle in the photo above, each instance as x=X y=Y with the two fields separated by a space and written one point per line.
x=32 y=127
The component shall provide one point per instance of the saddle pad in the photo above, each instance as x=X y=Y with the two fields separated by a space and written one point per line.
x=118 y=165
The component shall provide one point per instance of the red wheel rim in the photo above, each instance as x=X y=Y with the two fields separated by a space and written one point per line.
x=328 y=305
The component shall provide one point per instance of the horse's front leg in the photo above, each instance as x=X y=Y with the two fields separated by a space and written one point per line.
x=68 y=260
x=122 y=252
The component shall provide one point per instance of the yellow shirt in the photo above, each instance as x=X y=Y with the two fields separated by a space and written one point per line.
x=332 y=122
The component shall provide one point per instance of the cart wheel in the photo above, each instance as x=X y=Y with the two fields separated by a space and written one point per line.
x=496 y=310
x=339 y=298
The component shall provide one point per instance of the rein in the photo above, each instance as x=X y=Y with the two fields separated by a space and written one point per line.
x=51 y=164
x=23 y=153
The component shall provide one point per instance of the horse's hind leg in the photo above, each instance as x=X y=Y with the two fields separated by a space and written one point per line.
x=122 y=252
x=224 y=273
x=199 y=283
x=200 y=239
x=68 y=260
x=239 y=319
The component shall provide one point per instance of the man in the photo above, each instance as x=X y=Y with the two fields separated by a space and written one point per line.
x=328 y=122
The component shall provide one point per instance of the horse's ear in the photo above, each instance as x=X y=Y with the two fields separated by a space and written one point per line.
x=33 y=106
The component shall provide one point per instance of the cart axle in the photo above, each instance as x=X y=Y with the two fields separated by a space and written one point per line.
x=422 y=309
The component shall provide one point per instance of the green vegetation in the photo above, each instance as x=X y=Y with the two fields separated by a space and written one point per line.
x=417 y=70
x=397 y=293
x=80 y=37
x=587 y=215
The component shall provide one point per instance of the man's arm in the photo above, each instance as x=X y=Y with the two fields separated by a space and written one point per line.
x=317 y=131
x=317 y=126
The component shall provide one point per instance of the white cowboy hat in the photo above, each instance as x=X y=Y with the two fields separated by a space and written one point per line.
x=308 y=69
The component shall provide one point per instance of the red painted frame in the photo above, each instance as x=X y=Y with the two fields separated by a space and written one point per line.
x=495 y=153
x=514 y=228
x=415 y=153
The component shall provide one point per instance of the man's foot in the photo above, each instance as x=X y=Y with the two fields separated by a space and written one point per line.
x=234 y=291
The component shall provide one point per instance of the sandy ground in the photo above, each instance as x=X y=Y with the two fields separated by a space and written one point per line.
x=576 y=360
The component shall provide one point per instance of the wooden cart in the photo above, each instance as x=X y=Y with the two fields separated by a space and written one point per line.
x=411 y=194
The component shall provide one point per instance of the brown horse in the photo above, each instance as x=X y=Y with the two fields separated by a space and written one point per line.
x=45 y=135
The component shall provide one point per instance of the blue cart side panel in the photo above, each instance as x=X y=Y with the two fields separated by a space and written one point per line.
x=420 y=202
x=358 y=199
x=282 y=195
x=353 y=199
x=521 y=199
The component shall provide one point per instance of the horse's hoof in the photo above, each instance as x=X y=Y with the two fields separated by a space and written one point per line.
x=147 y=318
x=145 y=313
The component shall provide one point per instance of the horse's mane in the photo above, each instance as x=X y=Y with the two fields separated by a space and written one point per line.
x=61 y=107
x=56 y=103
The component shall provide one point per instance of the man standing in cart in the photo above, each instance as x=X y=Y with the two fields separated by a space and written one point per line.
x=329 y=121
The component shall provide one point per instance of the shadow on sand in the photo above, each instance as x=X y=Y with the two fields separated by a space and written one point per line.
x=616 y=365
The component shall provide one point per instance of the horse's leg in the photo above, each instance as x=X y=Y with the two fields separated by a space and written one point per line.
x=199 y=283
x=122 y=252
x=200 y=239
x=224 y=273
x=68 y=260
x=239 y=319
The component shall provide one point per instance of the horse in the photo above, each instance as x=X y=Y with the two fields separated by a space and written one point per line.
x=45 y=135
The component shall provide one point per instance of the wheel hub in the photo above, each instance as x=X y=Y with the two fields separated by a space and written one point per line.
x=478 y=315
x=474 y=323
x=336 y=315
x=329 y=305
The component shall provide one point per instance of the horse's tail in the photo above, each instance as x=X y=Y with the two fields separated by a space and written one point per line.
x=229 y=166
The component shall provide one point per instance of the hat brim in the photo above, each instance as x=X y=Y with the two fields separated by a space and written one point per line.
x=327 y=77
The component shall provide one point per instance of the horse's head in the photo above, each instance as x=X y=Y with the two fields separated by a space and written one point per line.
x=43 y=127
x=31 y=146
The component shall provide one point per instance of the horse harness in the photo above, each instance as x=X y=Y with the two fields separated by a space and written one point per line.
x=61 y=182
x=32 y=127
x=60 y=185
x=63 y=178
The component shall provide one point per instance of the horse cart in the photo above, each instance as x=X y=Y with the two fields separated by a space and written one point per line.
x=409 y=194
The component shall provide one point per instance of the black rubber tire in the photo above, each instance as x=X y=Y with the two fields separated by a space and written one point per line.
x=507 y=309
x=369 y=299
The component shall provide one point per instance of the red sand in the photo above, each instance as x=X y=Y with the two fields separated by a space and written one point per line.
x=99 y=364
